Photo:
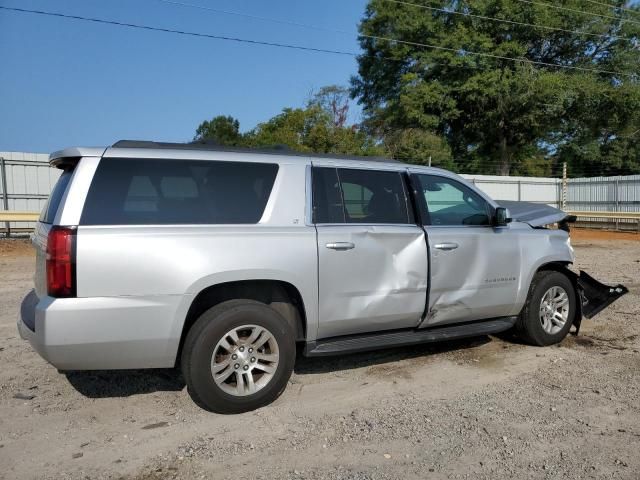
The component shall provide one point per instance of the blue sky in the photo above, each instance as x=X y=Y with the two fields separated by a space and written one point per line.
x=66 y=82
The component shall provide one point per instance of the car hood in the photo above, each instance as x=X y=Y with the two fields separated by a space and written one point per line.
x=535 y=214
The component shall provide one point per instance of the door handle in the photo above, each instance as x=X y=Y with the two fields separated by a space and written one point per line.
x=341 y=245
x=446 y=246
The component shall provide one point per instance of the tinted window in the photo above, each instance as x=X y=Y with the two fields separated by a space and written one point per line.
x=327 y=200
x=358 y=196
x=452 y=203
x=144 y=192
x=51 y=208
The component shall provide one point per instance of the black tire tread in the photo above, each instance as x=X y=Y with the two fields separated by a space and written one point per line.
x=197 y=329
x=526 y=326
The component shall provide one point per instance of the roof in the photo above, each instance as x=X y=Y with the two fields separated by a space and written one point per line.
x=212 y=147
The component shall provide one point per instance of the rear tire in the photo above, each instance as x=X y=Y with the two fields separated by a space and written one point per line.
x=249 y=372
x=549 y=310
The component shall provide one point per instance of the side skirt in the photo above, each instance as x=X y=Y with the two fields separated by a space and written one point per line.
x=399 y=338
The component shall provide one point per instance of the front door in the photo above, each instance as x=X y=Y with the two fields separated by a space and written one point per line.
x=474 y=266
x=372 y=257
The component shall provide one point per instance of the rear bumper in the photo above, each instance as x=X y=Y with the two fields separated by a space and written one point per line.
x=101 y=333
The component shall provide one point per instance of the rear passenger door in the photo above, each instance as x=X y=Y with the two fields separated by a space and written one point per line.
x=372 y=255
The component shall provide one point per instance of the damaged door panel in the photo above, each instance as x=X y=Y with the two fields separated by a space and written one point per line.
x=478 y=279
x=475 y=267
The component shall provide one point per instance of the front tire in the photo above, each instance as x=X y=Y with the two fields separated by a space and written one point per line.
x=238 y=356
x=549 y=311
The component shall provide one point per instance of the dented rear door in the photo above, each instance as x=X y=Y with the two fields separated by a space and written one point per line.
x=372 y=256
x=371 y=277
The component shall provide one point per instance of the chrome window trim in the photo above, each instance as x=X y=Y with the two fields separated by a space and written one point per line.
x=367 y=225
x=459 y=226
x=308 y=196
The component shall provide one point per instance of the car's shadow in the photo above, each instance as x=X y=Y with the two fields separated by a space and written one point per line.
x=124 y=383
x=315 y=365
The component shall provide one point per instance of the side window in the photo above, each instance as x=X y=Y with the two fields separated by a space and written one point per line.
x=450 y=202
x=327 y=199
x=372 y=196
x=51 y=208
x=162 y=192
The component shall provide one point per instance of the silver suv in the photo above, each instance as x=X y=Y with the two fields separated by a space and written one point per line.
x=154 y=255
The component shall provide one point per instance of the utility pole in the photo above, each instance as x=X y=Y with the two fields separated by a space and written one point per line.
x=5 y=194
x=429 y=160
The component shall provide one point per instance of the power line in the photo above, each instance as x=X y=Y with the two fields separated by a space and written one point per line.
x=459 y=51
x=503 y=20
x=253 y=17
x=180 y=32
x=615 y=7
x=573 y=10
x=327 y=29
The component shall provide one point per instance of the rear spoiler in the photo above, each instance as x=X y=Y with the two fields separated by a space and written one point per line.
x=62 y=158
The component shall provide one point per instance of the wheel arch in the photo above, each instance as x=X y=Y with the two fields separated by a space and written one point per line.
x=282 y=296
x=563 y=268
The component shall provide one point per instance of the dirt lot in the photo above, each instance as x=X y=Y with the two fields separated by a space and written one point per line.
x=487 y=408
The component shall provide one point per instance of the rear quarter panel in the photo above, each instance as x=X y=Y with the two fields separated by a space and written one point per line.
x=176 y=263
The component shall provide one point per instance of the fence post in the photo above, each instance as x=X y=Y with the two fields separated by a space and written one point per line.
x=617 y=188
x=519 y=190
x=5 y=194
x=565 y=184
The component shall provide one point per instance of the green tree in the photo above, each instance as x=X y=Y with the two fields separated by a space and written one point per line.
x=311 y=129
x=223 y=130
x=496 y=114
x=333 y=99
x=419 y=147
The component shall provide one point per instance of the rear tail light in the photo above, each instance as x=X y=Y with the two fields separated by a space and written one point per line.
x=61 y=262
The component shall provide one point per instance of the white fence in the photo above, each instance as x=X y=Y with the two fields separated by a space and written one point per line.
x=29 y=179
x=524 y=189
x=609 y=194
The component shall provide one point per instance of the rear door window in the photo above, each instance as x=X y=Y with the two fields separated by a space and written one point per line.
x=55 y=198
x=327 y=198
x=347 y=195
x=373 y=197
x=162 y=192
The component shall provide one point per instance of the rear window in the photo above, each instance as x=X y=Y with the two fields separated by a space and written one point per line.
x=146 y=192
x=51 y=208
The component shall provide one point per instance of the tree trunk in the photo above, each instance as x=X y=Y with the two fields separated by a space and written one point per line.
x=505 y=160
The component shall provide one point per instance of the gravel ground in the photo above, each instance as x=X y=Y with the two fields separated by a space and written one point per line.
x=487 y=408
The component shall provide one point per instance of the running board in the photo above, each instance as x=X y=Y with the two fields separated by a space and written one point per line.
x=399 y=338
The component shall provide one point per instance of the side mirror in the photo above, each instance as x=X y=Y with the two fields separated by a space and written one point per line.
x=501 y=217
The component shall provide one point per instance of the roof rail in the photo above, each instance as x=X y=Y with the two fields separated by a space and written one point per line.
x=211 y=146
